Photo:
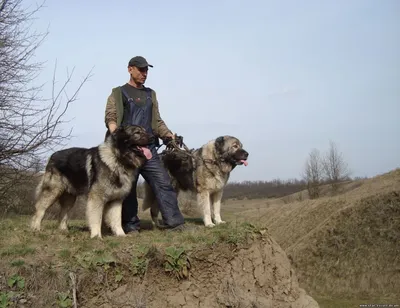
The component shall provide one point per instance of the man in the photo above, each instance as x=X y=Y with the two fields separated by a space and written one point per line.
x=133 y=103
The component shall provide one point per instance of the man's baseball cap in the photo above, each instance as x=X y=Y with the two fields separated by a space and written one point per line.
x=139 y=61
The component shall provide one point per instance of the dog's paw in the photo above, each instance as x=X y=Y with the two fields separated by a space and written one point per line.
x=96 y=236
x=220 y=222
x=63 y=227
x=35 y=226
x=120 y=234
x=210 y=225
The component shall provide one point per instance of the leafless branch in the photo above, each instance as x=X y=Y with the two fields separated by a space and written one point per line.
x=313 y=174
x=72 y=276
x=335 y=167
x=30 y=125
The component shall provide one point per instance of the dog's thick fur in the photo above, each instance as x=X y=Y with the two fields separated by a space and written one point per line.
x=102 y=174
x=205 y=173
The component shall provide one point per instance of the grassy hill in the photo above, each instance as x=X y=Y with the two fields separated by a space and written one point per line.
x=227 y=266
x=342 y=250
x=344 y=246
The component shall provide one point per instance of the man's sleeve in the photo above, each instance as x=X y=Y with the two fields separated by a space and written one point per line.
x=111 y=111
x=163 y=129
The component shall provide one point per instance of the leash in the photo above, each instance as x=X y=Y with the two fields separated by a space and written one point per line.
x=176 y=144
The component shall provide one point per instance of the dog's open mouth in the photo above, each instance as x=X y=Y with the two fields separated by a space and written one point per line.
x=146 y=152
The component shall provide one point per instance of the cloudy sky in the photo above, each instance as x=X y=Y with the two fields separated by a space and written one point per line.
x=283 y=76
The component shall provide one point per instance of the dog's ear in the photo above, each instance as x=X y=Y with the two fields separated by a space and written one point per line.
x=119 y=134
x=119 y=129
x=219 y=144
x=116 y=131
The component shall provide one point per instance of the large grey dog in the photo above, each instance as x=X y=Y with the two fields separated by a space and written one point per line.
x=204 y=172
x=102 y=174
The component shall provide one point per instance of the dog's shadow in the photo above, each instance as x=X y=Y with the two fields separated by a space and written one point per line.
x=195 y=221
x=77 y=229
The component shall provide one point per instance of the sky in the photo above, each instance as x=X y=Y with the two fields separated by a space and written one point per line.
x=283 y=76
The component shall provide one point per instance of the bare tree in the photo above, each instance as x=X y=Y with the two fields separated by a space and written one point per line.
x=30 y=125
x=313 y=173
x=335 y=167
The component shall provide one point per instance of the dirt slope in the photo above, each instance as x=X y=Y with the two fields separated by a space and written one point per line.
x=347 y=245
x=259 y=275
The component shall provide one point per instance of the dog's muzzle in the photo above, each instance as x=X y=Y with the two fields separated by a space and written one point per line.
x=241 y=157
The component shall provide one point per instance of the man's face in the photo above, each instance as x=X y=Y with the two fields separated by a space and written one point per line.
x=138 y=74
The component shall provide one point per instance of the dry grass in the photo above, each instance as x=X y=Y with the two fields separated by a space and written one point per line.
x=327 y=302
x=345 y=246
x=357 y=250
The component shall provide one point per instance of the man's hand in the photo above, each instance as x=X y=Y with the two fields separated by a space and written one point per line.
x=173 y=137
x=112 y=127
x=170 y=135
x=178 y=140
x=168 y=138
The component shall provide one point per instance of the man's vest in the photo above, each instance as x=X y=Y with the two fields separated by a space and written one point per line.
x=137 y=114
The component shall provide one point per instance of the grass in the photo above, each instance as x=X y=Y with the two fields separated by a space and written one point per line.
x=19 y=241
x=45 y=259
x=344 y=248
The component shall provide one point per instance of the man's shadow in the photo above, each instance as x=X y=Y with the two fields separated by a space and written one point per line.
x=145 y=225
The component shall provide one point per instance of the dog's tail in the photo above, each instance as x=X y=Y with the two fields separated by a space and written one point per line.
x=150 y=202
x=149 y=198
x=38 y=189
x=46 y=177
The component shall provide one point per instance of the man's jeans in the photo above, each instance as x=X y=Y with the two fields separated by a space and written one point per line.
x=157 y=177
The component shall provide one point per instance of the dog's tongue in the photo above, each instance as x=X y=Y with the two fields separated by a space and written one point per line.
x=244 y=162
x=146 y=152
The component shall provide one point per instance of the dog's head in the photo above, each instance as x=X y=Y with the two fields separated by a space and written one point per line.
x=131 y=141
x=231 y=150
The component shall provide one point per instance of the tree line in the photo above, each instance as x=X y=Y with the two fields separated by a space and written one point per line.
x=329 y=168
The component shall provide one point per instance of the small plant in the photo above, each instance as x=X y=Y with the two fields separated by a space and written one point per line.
x=95 y=258
x=64 y=300
x=249 y=227
x=4 y=299
x=139 y=261
x=17 y=262
x=177 y=262
x=118 y=275
x=16 y=280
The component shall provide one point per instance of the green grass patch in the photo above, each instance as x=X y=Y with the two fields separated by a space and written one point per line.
x=18 y=250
